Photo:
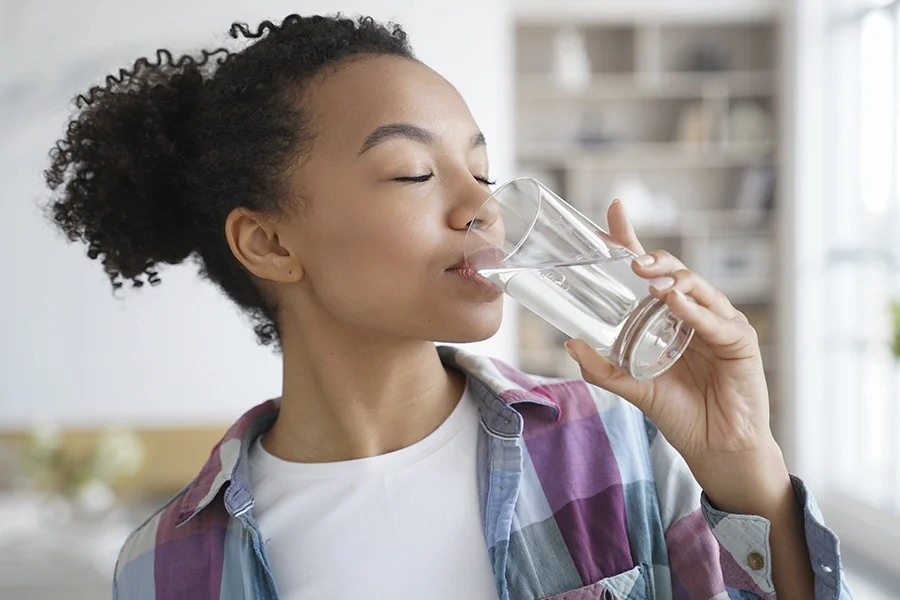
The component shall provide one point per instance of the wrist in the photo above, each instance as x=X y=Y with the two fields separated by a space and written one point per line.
x=750 y=483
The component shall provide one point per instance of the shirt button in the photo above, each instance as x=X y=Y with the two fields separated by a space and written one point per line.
x=755 y=561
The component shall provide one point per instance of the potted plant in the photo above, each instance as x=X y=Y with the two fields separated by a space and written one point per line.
x=80 y=482
x=895 y=342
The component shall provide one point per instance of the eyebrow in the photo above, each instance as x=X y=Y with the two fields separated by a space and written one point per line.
x=408 y=131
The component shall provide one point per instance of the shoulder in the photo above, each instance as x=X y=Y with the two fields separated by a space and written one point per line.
x=587 y=414
x=170 y=556
x=566 y=407
x=180 y=551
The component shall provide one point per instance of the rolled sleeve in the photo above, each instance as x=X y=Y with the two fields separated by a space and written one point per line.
x=746 y=553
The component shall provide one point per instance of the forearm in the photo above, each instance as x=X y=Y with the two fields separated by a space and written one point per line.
x=760 y=485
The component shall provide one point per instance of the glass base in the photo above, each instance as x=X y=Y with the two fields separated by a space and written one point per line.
x=652 y=341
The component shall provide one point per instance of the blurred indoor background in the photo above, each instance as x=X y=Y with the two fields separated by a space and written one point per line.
x=758 y=140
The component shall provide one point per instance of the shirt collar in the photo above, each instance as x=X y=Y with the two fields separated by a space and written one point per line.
x=496 y=386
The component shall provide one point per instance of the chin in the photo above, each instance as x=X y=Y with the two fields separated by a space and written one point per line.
x=469 y=326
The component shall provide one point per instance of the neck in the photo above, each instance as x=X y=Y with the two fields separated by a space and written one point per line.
x=345 y=397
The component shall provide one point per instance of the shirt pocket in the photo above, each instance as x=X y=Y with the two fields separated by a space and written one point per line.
x=630 y=585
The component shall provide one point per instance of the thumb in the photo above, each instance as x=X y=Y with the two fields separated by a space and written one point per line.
x=621 y=229
x=597 y=371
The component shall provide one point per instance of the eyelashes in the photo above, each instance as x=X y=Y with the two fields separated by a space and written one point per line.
x=414 y=179
x=424 y=178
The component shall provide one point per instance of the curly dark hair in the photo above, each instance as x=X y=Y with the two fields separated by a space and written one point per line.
x=155 y=159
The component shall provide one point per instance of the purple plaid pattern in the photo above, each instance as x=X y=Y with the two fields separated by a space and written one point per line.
x=581 y=495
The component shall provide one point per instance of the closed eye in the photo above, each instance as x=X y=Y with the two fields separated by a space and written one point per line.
x=414 y=179
x=424 y=178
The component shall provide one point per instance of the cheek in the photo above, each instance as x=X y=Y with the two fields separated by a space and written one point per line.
x=391 y=244
x=382 y=258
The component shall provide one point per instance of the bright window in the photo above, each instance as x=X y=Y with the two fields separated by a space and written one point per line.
x=862 y=238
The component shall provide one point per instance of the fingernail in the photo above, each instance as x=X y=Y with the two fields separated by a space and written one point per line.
x=663 y=283
x=645 y=260
x=681 y=295
x=571 y=352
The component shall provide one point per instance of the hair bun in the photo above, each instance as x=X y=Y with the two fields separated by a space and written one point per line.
x=119 y=174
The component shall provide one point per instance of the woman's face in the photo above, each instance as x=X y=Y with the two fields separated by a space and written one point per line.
x=397 y=170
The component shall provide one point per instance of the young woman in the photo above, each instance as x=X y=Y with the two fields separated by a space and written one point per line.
x=324 y=179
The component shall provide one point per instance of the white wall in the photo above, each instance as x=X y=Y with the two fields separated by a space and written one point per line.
x=180 y=352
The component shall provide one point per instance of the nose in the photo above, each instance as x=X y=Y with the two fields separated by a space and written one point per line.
x=474 y=204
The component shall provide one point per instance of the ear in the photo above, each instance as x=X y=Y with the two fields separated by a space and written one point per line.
x=255 y=244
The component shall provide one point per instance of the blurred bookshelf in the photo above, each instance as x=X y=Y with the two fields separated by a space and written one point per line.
x=675 y=116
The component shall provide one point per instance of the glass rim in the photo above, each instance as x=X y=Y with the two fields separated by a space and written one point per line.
x=521 y=241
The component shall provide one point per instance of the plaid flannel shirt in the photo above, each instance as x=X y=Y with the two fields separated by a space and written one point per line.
x=581 y=498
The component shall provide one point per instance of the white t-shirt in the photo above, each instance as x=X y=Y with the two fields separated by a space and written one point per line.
x=406 y=524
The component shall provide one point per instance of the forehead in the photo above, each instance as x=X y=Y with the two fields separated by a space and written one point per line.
x=350 y=102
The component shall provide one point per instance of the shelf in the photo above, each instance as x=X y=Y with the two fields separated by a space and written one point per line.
x=654 y=73
x=738 y=294
x=646 y=11
x=557 y=359
x=706 y=224
x=541 y=88
x=551 y=360
x=543 y=355
x=648 y=155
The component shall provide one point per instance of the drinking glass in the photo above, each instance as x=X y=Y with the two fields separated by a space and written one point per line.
x=554 y=261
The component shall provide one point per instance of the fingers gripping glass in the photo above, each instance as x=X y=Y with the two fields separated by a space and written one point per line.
x=550 y=258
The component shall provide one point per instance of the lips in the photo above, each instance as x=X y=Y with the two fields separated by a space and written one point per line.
x=467 y=269
x=476 y=281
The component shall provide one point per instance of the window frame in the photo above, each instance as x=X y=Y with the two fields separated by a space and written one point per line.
x=812 y=59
